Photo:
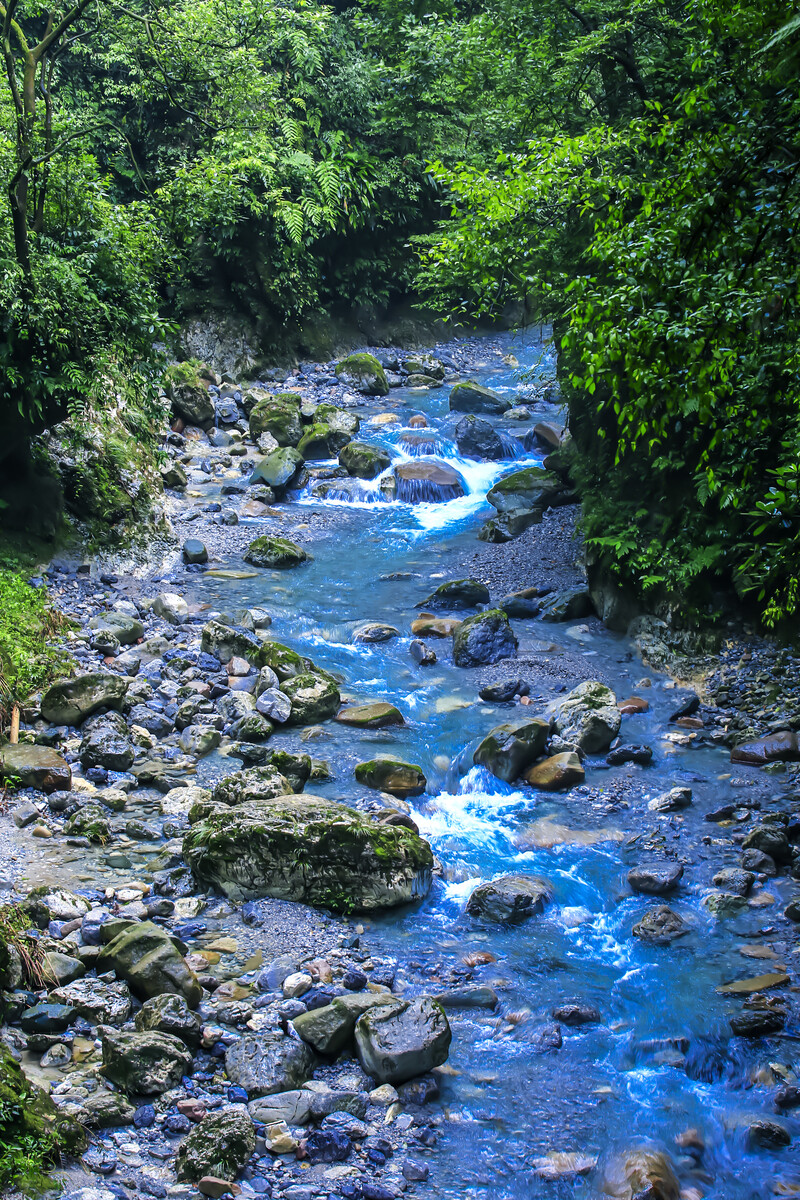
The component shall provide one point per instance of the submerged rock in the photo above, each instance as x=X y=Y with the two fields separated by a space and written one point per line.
x=510 y=899
x=371 y=716
x=659 y=926
x=657 y=879
x=639 y=1173
x=311 y=850
x=427 y=481
x=483 y=639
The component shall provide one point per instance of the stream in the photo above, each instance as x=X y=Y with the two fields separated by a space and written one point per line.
x=661 y=1060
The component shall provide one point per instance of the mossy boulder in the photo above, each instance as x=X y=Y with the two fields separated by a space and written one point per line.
x=144 y=1063
x=471 y=397
x=37 y=767
x=456 y=594
x=278 y=470
x=189 y=396
x=70 y=701
x=90 y=822
x=527 y=490
x=484 y=638
x=338 y=418
x=284 y=662
x=310 y=850
x=390 y=775
x=371 y=716
x=280 y=416
x=27 y=1114
x=256 y=783
x=226 y=641
x=322 y=441
x=363 y=461
x=314 y=698
x=364 y=374
x=146 y=957
x=277 y=552
x=509 y=749
x=220 y=1146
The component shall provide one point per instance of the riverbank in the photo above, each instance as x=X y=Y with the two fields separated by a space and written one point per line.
x=573 y=1035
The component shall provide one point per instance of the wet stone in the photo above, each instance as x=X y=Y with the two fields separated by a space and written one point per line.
x=656 y=879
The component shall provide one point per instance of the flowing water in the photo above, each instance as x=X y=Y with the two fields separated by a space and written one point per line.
x=512 y=1096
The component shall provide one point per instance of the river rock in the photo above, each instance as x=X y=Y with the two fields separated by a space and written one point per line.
x=672 y=801
x=311 y=850
x=126 y=629
x=321 y=442
x=279 y=469
x=279 y=416
x=375 y=631
x=363 y=373
x=104 y=745
x=776 y=747
x=99 y=1003
x=483 y=639
x=341 y=419
x=330 y=1029
x=390 y=775
x=189 y=396
x=471 y=397
x=525 y=603
x=284 y=662
x=313 y=698
x=106 y=1110
x=771 y=840
x=254 y=784
x=263 y=1063
x=510 y=899
x=642 y=1173
x=427 y=481
x=457 y=593
x=364 y=461
x=479 y=439
x=657 y=879
x=143 y=1063
x=508 y=749
x=432 y=626
x=147 y=959
x=220 y=1146
x=90 y=821
x=588 y=717
x=61 y=969
x=528 y=490
x=370 y=716
x=734 y=879
x=275 y=704
x=169 y=1014
x=267 y=551
x=399 y=1042
x=194 y=551
x=170 y=607
x=36 y=767
x=659 y=926
x=72 y=700
x=724 y=904
x=556 y=773
x=569 y=604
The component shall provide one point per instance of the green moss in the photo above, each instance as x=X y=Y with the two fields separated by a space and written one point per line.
x=33 y=1133
x=28 y=658
x=184 y=374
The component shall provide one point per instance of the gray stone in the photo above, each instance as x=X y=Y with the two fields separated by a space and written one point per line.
x=265 y=1063
x=143 y=1063
x=399 y=1042
x=509 y=899
x=72 y=700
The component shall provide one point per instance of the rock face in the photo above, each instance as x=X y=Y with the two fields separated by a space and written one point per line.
x=479 y=439
x=509 y=749
x=311 y=850
x=265 y=1063
x=363 y=461
x=472 y=398
x=278 y=552
x=457 y=593
x=390 y=775
x=588 y=717
x=143 y=1063
x=72 y=700
x=364 y=374
x=35 y=767
x=147 y=959
x=557 y=773
x=313 y=698
x=220 y=1146
x=509 y=899
x=484 y=638
x=396 y=1043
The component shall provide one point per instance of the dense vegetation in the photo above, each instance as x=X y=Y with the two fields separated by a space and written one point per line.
x=630 y=172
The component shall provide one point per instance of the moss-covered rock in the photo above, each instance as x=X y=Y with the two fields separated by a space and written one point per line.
x=363 y=461
x=90 y=822
x=526 y=490
x=143 y=1063
x=31 y=1123
x=188 y=394
x=311 y=850
x=473 y=398
x=322 y=441
x=70 y=701
x=588 y=717
x=278 y=552
x=338 y=418
x=284 y=662
x=148 y=960
x=314 y=698
x=364 y=374
x=484 y=638
x=278 y=470
x=280 y=416
x=256 y=783
x=219 y=1146
x=390 y=775
x=371 y=716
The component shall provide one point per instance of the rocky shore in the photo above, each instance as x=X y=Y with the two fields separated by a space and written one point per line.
x=190 y=983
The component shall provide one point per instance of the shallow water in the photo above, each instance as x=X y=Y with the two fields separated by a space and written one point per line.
x=510 y=1098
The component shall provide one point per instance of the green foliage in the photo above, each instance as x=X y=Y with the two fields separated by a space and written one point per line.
x=27 y=624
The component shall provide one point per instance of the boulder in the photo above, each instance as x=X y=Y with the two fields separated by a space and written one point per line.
x=530 y=489
x=173 y=476
x=331 y=1029
x=557 y=773
x=279 y=416
x=588 y=717
x=432 y=626
x=390 y=775
x=279 y=469
x=256 y=783
x=90 y=822
x=194 y=551
x=313 y=698
x=471 y=397
x=364 y=461
x=397 y=1043
x=338 y=418
x=570 y=604
x=311 y=850
x=268 y=1062
x=657 y=879
x=146 y=958
x=189 y=395
x=124 y=628
x=143 y=1063
x=72 y=700
x=509 y=749
x=485 y=638
x=267 y=551
x=363 y=373
x=776 y=747
x=771 y=840
x=510 y=899
x=220 y=1146
x=169 y=1014
x=284 y=662
x=36 y=767
x=171 y=607
x=99 y=1003
x=457 y=593
x=479 y=439
x=660 y=926
x=425 y=364
x=370 y=716
x=375 y=631
x=525 y=603
x=105 y=746
x=321 y=442
x=106 y=1110
x=426 y=481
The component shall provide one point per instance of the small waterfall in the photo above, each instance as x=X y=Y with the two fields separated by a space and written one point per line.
x=419 y=444
x=428 y=481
